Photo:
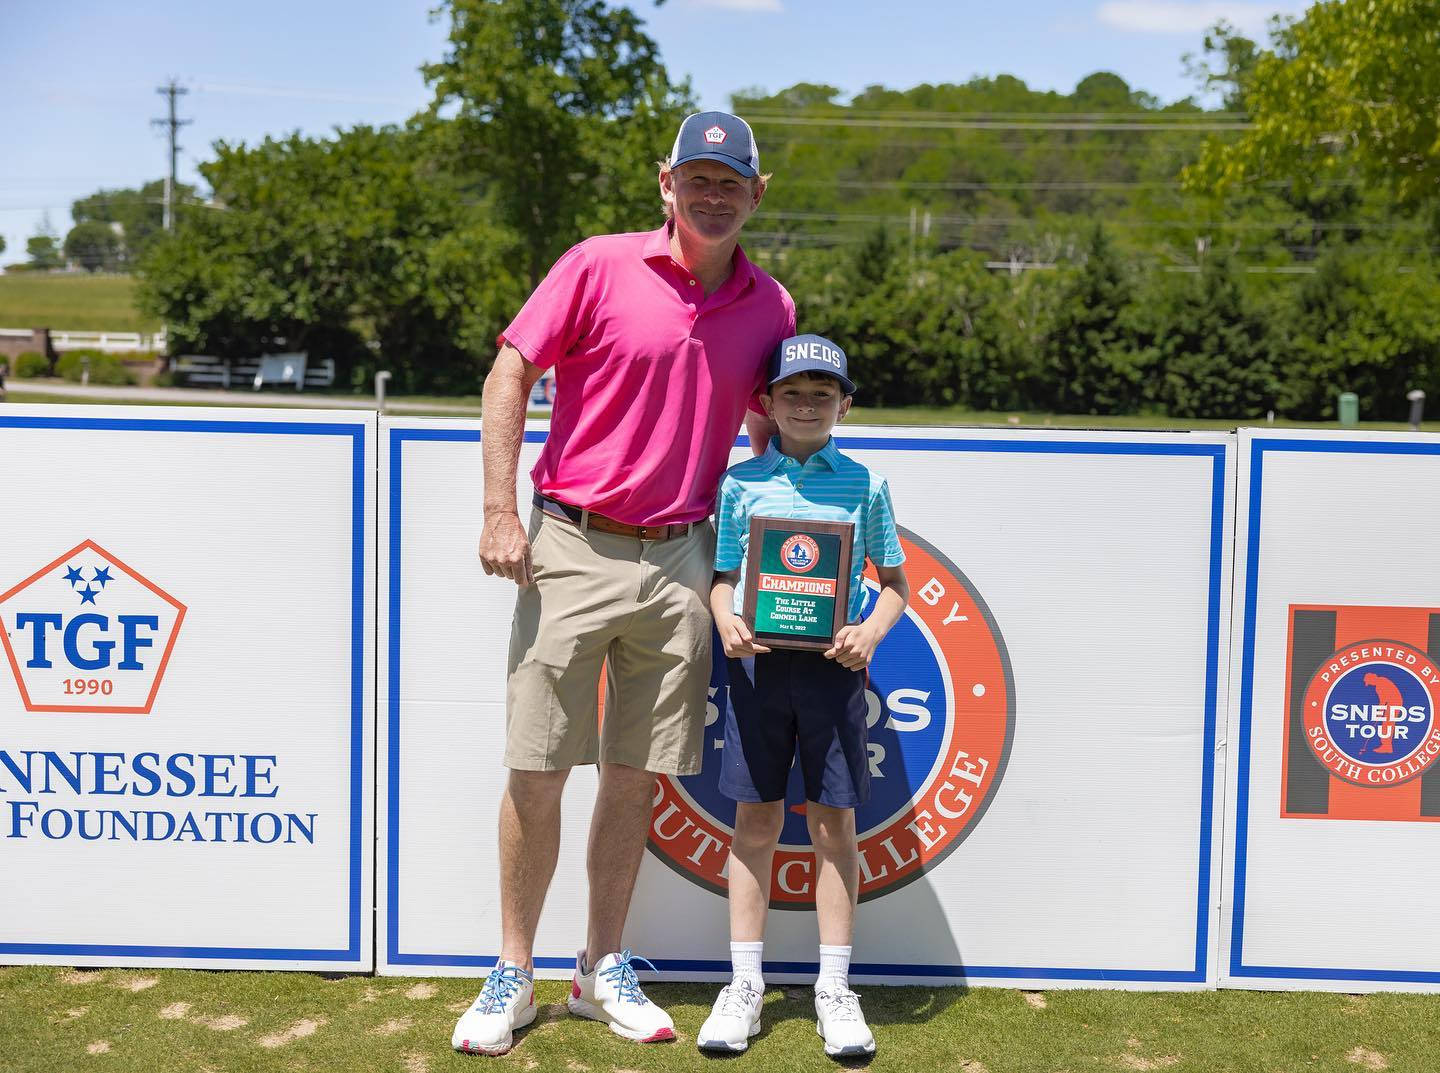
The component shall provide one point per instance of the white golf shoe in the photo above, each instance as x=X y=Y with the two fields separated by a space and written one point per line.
x=734 y=1019
x=505 y=1003
x=841 y=1024
x=611 y=993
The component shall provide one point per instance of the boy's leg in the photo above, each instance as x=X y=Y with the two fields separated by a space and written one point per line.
x=832 y=833
x=752 y=851
x=837 y=1008
x=735 y=1017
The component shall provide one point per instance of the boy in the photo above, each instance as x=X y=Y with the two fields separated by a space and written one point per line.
x=789 y=700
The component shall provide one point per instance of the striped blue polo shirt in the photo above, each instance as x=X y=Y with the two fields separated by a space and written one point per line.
x=827 y=486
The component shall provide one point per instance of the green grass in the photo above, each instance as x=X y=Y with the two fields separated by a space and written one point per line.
x=135 y=1021
x=71 y=303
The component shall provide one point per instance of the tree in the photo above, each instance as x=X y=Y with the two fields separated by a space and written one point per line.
x=1226 y=63
x=139 y=213
x=1361 y=323
x=1351 y=89
x=43 y=247
x=94 y=245
x=355 y=248
x=1091 y=359
x=1212 y=350
x=558 y=107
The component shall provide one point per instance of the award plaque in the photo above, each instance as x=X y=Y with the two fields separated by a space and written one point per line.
x=797 y=581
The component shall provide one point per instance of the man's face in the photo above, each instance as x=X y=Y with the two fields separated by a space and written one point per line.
x=711 y=200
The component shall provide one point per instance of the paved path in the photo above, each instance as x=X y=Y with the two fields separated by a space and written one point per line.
x=18 y=389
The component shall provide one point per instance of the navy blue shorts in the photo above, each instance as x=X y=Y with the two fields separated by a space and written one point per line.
x=787 y=703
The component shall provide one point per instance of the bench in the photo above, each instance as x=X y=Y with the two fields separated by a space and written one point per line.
x=297 y=369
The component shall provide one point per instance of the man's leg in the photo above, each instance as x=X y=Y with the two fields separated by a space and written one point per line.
x=529 y=846
x=619 y=827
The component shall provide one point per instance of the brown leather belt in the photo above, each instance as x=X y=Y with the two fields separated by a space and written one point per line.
x=589 y=519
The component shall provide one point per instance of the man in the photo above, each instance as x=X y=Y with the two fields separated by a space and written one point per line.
x=658 y=341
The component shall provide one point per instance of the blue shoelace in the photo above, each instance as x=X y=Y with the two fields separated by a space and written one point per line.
x=625 y=980
x=500 y=986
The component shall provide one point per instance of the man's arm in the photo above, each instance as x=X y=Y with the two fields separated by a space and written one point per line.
x=760 y=428
x=504 y=548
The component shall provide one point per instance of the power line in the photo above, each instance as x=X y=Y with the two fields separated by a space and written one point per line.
x=171 y=90
x=782 y=120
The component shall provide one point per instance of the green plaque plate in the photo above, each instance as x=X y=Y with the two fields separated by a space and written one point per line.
x=797 y=581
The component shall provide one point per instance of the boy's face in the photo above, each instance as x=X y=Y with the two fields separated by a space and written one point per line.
x=806 y=406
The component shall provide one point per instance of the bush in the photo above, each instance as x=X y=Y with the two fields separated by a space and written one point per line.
x=104 y=368
x=30 y=364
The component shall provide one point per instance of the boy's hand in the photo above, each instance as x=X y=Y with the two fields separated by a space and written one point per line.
x=739 y=642
x=854 y=646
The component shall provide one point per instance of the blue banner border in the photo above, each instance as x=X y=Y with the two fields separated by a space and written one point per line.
x=1259 y=447
x=1196 y=973
x=352 y=952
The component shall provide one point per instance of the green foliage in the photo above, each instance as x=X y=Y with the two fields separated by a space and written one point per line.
x=139 y=215
x=104 y=368
x=43 y=249
x=1212 y=349
x=557 y=105
x=1362 y=324
x=94 y=245
x=30 y=364
x=1350 y=90
x=357 y=248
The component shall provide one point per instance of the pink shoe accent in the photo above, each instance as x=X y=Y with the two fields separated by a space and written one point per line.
x=660 y=1037
x=574 y=988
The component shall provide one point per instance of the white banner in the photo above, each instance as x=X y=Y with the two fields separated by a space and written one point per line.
x=1335 y=724
x=186 y=754
x=1043 y=726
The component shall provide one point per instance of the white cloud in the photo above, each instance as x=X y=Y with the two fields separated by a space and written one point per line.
x=1190 y=16
x=772 y=6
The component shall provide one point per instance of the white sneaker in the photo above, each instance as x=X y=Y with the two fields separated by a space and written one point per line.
x=611 y=993
x=841 y=1024
x=505 y=1003
x=735 y=1018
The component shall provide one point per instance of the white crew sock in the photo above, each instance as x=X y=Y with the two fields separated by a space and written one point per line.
x=834 y=968
x=746 y=960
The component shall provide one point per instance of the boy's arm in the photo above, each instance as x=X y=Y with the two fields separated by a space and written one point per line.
x=855 y=645
x=735 y=636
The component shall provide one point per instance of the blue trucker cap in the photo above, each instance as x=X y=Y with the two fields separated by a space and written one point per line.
x=810 y=354
x=717 y=136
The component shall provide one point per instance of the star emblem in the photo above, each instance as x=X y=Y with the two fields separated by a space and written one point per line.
x=87 y=595
x=102 y=576
x=74 y=576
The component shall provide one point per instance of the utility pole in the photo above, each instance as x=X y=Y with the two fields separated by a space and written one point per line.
x=172 y=126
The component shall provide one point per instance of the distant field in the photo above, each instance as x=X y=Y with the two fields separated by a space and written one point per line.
x=71 y=303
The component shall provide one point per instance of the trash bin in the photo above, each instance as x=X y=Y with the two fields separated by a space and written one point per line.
x=1349 y=408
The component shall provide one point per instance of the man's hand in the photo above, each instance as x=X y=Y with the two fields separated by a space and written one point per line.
x=504 y=548
x=739 y=642
x=854 y=646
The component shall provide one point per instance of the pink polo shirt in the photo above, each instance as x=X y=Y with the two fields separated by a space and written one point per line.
x=652 y=378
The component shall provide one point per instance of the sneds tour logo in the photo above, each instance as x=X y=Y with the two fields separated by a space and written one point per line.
x=941 y=718
x=1363 y=722
x=87 y=633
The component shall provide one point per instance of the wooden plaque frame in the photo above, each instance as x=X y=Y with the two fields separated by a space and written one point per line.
x=759 y=526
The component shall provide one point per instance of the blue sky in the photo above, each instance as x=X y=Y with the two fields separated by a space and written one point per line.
x=80 y=75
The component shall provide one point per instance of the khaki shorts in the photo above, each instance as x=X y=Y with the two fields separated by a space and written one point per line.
x=640 y=608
